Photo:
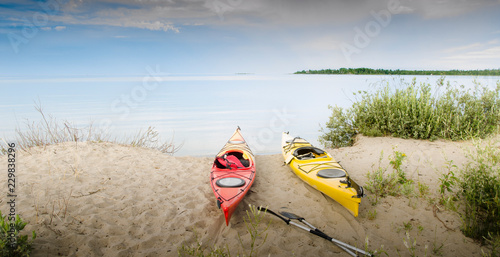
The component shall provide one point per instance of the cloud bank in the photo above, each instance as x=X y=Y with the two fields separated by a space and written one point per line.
x=171 y=15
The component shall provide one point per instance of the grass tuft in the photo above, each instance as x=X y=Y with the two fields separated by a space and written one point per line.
x=382 y=183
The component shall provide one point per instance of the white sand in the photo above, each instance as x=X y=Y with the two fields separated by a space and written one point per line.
x=103 y=199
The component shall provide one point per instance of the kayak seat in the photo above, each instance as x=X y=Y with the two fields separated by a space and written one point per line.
x=241 y=158
x=331 y=173
x=231 y=160
x=307 y=152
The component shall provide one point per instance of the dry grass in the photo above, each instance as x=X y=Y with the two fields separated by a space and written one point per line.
x=49 y=131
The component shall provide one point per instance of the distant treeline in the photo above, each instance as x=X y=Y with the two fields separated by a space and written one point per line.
x=368 y=71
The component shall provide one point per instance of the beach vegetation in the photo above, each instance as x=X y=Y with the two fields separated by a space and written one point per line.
x=407 y=226
x=494 y=242
x=382 y=183
x=411 y=245
x=372 y=214
x=480 y=191
x=12 y=242
x=250 y=246
x=379 y=251
x=49 y=131
x=473 y=192
x=340 y=130
x=417 y=111
x=396 y=161
x=423 y=189
x=410 y=242
x=200 y=250
x=408 y=189
x=447 y=187
x=256 y=229
x=437 y=247
x=448 y=180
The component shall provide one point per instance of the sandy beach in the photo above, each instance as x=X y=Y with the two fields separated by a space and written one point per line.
x=104 y=199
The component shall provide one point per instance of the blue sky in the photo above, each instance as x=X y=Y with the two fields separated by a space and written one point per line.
x=115 y=38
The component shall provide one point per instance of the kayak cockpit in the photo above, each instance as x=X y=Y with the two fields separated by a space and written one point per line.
x=308 y=152
x=232 y=160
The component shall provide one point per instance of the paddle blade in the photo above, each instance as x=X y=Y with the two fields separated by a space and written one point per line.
x=290 y=215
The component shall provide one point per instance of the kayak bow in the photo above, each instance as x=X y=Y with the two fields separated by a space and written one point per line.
x=232 y=174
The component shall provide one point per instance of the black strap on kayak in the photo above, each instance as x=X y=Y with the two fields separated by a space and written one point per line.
x=219 y=202
x=228 y=163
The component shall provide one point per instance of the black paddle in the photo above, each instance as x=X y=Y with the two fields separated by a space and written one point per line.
x=313 y=230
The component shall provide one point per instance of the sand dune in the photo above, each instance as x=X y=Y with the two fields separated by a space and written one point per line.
x=103 y=199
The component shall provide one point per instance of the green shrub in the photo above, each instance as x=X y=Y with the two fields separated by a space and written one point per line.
x=21 y=247
x=413 y=111
x=396 y=163
x=480 y=189
x=342 y=128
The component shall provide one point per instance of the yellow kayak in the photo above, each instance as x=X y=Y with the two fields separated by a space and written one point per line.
x=318 y=169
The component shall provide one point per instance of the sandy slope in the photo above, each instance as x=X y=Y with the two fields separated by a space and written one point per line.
x=103 y=199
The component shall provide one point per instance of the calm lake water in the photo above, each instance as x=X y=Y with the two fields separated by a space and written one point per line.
x=201 y=112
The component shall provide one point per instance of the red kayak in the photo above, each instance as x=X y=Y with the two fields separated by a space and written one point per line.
x=233 y=173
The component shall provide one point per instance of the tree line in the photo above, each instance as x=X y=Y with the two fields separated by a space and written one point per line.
x=368 y=71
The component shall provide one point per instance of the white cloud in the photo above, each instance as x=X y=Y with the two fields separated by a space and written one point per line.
x=488 y=53
x=463 y=48
x=471 y=48
x=121 y=22
x=57 y=28
x=473 y=56
x=130 y=14
x=434 y=9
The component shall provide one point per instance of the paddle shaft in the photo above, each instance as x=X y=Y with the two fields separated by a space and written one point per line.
x=337 y=242
x=317 y=232
x=323 y=235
